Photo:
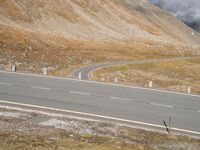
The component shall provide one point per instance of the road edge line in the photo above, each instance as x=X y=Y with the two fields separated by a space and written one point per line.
x=98 y=116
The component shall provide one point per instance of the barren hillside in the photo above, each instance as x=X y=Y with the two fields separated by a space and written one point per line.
x=60 y=33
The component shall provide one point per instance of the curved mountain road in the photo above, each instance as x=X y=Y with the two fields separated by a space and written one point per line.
x=85 y=71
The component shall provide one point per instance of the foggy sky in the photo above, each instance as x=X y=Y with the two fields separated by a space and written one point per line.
x=186 y=10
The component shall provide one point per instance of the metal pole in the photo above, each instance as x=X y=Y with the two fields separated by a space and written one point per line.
x=166 y=126
x=170 y=121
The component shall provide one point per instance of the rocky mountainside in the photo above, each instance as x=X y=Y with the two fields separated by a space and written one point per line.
x=95 y=19
x=36 y=29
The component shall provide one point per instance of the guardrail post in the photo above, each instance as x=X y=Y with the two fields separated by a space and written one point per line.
x=150 y=84
x=79 y=76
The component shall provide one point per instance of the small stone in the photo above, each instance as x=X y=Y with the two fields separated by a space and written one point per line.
x=71 y=135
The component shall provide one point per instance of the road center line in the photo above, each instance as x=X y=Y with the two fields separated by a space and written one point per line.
x=100 y=83
x=163 y=105
x=3 y=83
x=41 y=88
x=118 y=98
x=81 y=93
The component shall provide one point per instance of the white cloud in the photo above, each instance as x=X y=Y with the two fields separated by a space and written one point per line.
x=187 y=10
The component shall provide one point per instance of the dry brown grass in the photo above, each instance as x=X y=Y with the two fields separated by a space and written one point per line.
x=60 y=34
x=33 y=51
x=66 y=72
x=175 y=76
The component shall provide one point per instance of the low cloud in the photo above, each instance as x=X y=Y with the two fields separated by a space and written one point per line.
x=186 y=10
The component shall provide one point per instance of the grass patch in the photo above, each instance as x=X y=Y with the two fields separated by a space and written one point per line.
x=176 y=75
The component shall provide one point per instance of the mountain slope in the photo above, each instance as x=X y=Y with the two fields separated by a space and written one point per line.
x=125 y=28
x=95 y=19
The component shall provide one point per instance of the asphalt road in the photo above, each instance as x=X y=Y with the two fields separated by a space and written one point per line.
x=148 y=107
x=85 y=71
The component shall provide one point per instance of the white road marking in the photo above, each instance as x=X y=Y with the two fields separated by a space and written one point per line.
x=41 y=88
x=118 y=98
x=44 y=113
x=98 y=116
x=163 y=105
x=3 y=83
x=81 y=93
x=95 y=82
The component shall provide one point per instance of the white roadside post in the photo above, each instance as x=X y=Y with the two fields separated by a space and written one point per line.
x=150 y=84
x=189 y=90
x=45 y=71
x=115 y=79
x=79 y=76
x=13 y=68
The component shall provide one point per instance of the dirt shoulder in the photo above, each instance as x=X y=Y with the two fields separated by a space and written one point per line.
x=31 y=130
x=174 y=76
